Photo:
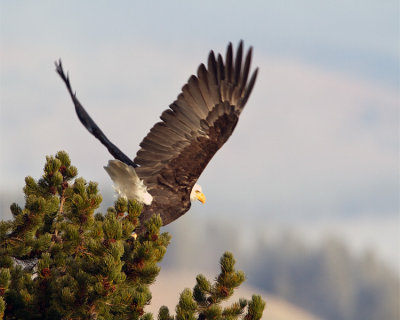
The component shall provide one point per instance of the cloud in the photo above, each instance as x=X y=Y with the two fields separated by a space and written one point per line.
x=314 y=142
x=310 y=141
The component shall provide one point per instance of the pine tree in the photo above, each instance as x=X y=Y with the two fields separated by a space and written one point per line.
x=60 y=260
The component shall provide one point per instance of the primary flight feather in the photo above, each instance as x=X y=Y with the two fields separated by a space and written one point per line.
x=177 y=149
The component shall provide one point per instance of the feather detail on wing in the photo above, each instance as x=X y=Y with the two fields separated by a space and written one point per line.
x=197 y=124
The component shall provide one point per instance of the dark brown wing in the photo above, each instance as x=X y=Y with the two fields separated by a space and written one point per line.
x=197 y=124
x=88 y=122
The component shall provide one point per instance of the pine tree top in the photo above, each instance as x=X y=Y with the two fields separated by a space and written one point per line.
x=60 y=260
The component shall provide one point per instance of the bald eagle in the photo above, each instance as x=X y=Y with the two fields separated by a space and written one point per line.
x=177 y=149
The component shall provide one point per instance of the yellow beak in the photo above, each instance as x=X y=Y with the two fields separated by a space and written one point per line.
x=201 y=197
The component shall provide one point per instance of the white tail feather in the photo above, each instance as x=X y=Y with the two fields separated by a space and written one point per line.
x=127 y=183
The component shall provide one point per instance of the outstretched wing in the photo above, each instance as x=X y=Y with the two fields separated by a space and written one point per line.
x=88 y=122
x=177 y=149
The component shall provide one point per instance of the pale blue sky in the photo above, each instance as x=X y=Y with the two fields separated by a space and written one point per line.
x=359 y=37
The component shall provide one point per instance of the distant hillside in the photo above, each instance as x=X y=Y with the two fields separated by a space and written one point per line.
x=327 y=278
x=169 y=284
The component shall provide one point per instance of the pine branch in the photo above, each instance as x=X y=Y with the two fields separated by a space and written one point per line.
x=205 y=300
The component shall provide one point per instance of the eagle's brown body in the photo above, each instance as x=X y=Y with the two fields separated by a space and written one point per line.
x=176 y=150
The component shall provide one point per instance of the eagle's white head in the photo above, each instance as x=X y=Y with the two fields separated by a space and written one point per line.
x=197 y=194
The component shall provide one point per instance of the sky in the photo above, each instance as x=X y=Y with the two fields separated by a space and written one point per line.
x=317 y=142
